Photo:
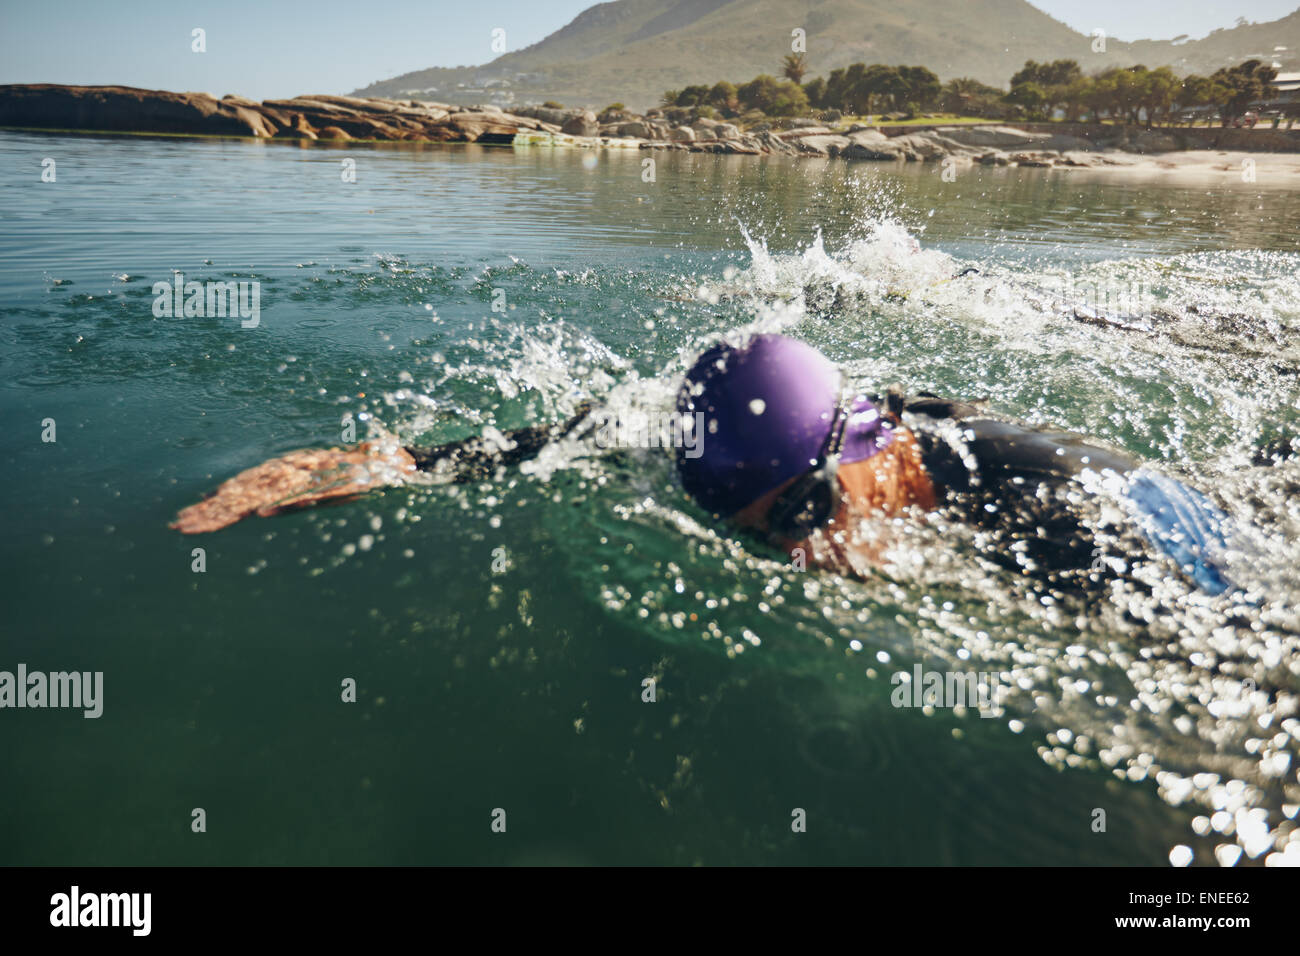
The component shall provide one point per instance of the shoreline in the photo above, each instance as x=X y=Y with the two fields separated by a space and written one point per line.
x=350 y=121
x=1189 y=164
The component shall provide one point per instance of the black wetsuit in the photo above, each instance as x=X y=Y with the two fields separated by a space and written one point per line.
x=477 y=458
x=1021 y=478
x=1014 y=488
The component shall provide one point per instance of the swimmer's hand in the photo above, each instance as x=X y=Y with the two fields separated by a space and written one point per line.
x=297 y=480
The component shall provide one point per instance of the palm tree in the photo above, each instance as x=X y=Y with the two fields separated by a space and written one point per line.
x=794 y=66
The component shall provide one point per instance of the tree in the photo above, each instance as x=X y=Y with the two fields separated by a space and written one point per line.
x=794 y=66
x=692 y=96
x=1058 y=81
x=1157 y=93
x=843 y=88
x=1129 y=87
x=1056 y=73
x=968 y=97
x=1029 y=95
x=790 y=100
x=1099 y=95
x=1201 y=91
x=862 y=89
x=921 y=86
x=815 y=90
x=879 y=83
x=1117 y=93
x=1073 y=97
x=772 y=96
x=1241 y=84
x=723 y=96
x=669 y=97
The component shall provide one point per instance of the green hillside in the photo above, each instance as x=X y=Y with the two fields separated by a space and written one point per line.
x=632 y=50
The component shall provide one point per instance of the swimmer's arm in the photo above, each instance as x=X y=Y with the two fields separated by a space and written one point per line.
x=307 y=477
x=298 y=480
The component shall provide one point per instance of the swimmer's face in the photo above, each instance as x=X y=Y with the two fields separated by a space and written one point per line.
x=756 y=515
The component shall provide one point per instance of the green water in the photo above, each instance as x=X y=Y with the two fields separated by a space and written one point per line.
x=522 y=690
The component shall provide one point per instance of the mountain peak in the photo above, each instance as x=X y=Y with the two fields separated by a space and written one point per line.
x=633 y=50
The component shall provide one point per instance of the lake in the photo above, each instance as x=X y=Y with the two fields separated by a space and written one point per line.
x=499 y=634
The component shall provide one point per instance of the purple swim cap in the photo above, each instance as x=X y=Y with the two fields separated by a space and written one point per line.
x=767 y=407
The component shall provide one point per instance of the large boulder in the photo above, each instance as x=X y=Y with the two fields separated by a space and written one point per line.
x=296 y=127
x=635 y=130
x=929 y=146
x=801 y=131
x=682 y=134
x=1033 y=158
x=829 y=145
x=746 y=147
x=995 y=137
x=771 y=143
x=582 y=124
x=556 y=116
x=867 y=143
x=429 y=105
x=482 y=126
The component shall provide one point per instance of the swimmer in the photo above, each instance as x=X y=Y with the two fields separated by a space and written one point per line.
x=788 y=454
x=791 y=455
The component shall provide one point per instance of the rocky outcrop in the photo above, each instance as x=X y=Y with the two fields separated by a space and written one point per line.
x=295 y=126
x=991 y=137
x=801 y=131
x=822 y=145
x=636 y=130
x=331 y=118
x=769 y=142
x=120 y=108
x=124 y=108
x=583 y=124
x=867 y=143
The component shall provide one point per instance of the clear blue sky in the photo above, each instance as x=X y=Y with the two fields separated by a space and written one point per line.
x=280 y=48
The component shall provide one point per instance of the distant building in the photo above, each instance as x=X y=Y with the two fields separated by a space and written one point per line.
x=1285 y=96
